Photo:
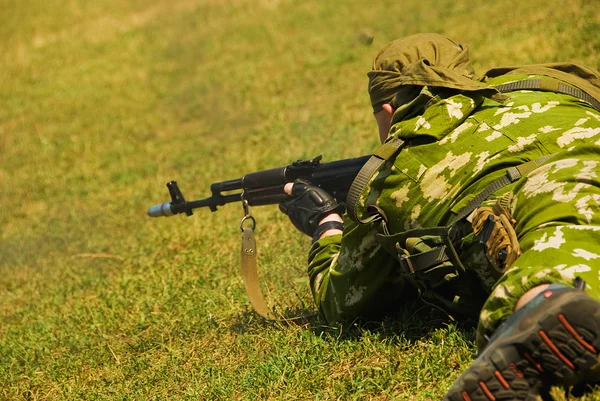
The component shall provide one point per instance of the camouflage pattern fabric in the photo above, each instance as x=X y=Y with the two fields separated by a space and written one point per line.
x=456 y=146
x=557 y=210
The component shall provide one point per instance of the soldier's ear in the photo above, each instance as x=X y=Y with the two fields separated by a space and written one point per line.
x=384 y=120
x=388 y=108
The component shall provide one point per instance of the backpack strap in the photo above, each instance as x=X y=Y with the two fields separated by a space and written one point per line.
x=549 y=85
x=403 y=245
x=384 y=153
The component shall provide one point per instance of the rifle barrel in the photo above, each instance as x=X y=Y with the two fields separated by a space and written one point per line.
x=266 y=187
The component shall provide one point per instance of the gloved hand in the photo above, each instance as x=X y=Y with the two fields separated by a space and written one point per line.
x=308 y=205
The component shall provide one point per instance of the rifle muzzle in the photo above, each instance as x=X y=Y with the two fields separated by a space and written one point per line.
x=161 y=210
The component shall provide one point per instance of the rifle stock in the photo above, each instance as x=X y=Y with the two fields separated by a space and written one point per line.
x=266 y=187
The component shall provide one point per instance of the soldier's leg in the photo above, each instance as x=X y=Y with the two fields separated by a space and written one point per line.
x=557 y=215
x=559 y=254
x=555 y=338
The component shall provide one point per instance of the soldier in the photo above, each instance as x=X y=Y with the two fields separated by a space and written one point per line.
x=483 y=200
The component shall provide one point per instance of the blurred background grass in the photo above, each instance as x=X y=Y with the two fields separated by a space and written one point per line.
x=104 y=102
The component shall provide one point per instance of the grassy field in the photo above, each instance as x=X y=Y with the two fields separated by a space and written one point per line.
x=102 y=102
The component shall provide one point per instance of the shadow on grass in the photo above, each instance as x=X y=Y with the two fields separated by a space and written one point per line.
x=413 y=322
x=249 y=321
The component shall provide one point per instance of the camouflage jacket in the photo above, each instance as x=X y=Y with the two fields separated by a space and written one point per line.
x=456 y=145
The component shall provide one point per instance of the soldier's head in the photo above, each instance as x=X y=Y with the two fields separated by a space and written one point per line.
x=405 y=65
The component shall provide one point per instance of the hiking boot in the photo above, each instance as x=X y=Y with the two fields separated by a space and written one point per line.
x=553 y=340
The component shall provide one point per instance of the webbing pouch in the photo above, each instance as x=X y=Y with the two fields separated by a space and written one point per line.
x=495 y=229
x=428 y=260
x=426 y=256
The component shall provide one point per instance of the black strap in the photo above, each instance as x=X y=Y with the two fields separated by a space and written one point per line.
x=328 y=225
x=424 y=260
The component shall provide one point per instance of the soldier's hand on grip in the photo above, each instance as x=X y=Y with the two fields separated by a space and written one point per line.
x=308 y=205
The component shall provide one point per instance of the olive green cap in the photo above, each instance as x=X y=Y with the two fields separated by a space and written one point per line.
x=424 y=59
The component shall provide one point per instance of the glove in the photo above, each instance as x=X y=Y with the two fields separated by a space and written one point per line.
x=308 y=205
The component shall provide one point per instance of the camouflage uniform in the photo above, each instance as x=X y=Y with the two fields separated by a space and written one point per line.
x=456 y=145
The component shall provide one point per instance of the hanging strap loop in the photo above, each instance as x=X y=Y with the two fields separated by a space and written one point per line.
x=249 y=265
x=249 y=269
x=250 y=274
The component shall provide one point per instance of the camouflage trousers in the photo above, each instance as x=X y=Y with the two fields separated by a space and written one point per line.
x=558 y=224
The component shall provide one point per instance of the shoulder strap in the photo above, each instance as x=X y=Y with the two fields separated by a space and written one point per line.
x=512 y=174
x=384 y=153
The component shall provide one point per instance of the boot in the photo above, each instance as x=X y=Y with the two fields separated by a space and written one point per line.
x=552 y=340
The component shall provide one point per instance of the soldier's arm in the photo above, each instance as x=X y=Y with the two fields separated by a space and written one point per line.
x=352 y=276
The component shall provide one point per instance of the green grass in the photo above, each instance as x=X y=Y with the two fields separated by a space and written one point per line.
x=104 y=102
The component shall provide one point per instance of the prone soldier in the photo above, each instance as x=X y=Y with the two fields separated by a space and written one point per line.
x=483 y=200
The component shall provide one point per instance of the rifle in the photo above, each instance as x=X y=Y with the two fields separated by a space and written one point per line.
x=266 y=187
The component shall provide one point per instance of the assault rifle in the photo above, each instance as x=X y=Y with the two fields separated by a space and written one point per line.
x=266 y=187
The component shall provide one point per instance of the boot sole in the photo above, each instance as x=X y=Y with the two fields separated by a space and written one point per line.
x=557 y=345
